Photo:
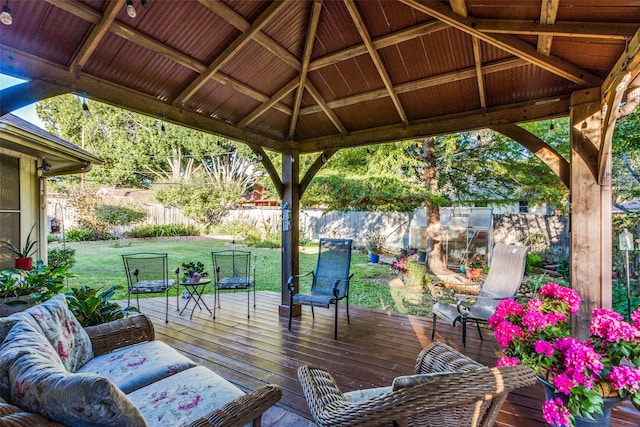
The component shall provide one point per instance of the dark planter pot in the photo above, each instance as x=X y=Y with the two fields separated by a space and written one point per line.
x=374 y=258
x=24 y=263
x=603 y=420
x=10 y=305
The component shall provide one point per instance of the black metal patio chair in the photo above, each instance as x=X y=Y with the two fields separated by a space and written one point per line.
x=232 y=271
x=329 y=281
x=148 y=273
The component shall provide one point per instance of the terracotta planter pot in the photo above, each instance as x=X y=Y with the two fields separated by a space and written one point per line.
x=24 y=263
x=473 y=274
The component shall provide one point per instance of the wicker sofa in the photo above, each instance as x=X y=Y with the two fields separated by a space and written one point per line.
x=54 y=371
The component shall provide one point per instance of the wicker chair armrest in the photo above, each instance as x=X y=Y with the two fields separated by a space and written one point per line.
x=110 y=336
x=11 y=415
x=291 y=285
x=242 y=410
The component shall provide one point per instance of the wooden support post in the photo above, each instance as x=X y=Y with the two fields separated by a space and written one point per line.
x=590 y=229
x=290 y=231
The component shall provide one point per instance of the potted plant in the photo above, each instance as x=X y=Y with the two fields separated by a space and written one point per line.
x=474 y=265
x=374 y=242
x=582 y=380
x=193 y=272
x=21 y=288
x=24 y=260
x=93 y=308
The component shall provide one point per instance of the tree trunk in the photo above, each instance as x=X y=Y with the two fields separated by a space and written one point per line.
x=436 y=254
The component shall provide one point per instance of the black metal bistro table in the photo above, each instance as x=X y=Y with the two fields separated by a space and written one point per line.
x=195 y=290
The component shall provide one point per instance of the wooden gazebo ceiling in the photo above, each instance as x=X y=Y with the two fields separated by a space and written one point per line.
x=320 y=75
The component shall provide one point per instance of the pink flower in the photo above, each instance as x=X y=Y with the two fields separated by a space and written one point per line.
x=568 y=296
x=563 y=383
x=535 y=320
x=625 y=378
x=635 y=317
x=555 y=413
x=505 y=308
x=507 y=361
x=608 y=324
x=543 y=347
x=506 y=332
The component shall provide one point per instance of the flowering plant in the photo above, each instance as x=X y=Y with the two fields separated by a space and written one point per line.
x=476 y=262
x=538 y=335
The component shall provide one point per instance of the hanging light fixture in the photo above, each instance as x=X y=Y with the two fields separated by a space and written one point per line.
x=5 y=16
x=479 y=137
x=145 y=4
x=45 y=166
x=85 y=108
x=259 y=157
x=131 y=10
x=163 y=131
x=552 y=130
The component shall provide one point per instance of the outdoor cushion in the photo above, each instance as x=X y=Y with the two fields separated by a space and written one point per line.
x=136 y=366
x=314 y=299
x=151 y=286
x=357 y=396
x=24 y=338
x=184 y=397
x=234 y=282
x=413 y=380
x=39 y=385
x=63 y=331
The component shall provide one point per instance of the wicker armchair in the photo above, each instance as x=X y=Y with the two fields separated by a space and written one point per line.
x=456 y=391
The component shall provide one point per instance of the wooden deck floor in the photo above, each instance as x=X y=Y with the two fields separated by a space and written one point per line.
x=375 y=348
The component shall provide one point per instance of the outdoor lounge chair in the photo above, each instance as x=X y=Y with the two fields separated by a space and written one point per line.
x=449 y=389
x=330 y=280
x=231 y=269
x=147 y=273
x=503 y=281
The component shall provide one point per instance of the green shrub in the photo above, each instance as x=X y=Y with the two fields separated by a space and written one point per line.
x=160 y=230
x=120 y=215
x=416 y=274
x=52 y=238
x=59 y=257
x=620 y=297
x=563 y=268
x=534 y=260
x=81 y=235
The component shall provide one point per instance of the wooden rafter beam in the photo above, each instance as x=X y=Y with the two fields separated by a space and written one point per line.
x=450 y=77
x=134 y=36
x=325 y=107
x=441 y=125
x=284 y=91
x=380 y=43
x=313 y=170
x=236 y=20
x=591 y=30
x=29 y=67
x=231 y=50
x=306 y=58
x=460 y=7
x=508 y=43
x=548 y=14
x=97 y=34
x=543 y=151
x=377 y=61
x=23 y=94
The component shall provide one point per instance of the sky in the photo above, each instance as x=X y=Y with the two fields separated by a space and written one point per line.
x=27 y=113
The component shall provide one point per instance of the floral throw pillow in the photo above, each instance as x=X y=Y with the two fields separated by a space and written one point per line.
x=25 y=338
x=63 y=331
x=40 y=386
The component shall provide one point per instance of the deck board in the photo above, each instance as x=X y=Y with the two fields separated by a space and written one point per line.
x=371 y=351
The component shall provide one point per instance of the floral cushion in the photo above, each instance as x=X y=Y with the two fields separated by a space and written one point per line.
x=363 y=395
x=136 y=366
x=182 y=398
x=39 y=385
x=63 y=331
x=150 y=286
x=25 y=338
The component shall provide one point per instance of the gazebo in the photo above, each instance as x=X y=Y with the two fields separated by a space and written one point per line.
x=299 y=77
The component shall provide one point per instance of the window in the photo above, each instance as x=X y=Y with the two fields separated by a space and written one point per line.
x=523 y=206
x=9 y=206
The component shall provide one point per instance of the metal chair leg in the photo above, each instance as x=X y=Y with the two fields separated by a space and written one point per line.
x=335 y=323
x=433 y=327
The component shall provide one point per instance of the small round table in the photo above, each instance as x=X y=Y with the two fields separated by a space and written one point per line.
x=195 y=290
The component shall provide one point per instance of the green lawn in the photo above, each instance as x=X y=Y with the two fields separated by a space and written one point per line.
x=99 y=264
